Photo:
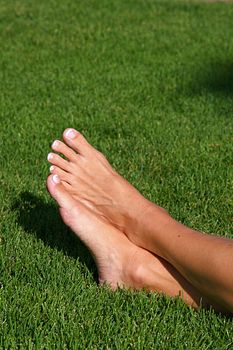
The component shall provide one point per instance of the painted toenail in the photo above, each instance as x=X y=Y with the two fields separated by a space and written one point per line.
x=55 y=144
x=50 y=156
x=71 y=133
x=56 y=179
x=51 y=169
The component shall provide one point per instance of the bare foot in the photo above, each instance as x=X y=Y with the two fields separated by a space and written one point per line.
x=120 y=263
x=90 y=179
x=116 y=257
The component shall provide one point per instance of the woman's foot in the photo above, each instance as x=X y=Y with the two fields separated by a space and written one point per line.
x=113 y=253
x=120 y=263
x=90 y=179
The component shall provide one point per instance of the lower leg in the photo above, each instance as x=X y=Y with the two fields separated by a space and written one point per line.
x=204 y=260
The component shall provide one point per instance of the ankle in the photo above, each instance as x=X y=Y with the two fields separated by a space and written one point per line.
x=148 y=274
x=158 y=230
x=152 y=212
x=136 y=275
x=151 y=219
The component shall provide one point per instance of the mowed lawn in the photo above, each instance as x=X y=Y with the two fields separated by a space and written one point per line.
x=150 y=84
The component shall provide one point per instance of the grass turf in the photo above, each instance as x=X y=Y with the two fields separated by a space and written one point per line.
x=149 y=84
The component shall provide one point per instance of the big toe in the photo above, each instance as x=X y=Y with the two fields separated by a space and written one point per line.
x=77 y=141
x=59 y=193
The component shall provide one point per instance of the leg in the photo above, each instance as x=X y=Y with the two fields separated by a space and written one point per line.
x=120 y=263
x=205 y=261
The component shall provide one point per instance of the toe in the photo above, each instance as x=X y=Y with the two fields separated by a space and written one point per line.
x=58 y=161
x=77 y=141
x=63 y=175
x=59 y=193
x=62 y=148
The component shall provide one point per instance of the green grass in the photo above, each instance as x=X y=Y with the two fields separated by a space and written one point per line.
x=149 y=83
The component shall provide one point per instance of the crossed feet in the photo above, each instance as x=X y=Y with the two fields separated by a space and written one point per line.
x=106 y=213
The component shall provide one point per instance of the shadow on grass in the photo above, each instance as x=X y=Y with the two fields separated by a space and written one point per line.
x=43 y=220
x=217 y=78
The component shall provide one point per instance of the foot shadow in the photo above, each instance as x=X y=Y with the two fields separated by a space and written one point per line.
x=217 y=78
x=43 y=220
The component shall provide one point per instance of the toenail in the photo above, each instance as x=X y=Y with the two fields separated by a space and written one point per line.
x=56 y=179
x=55 y=144
x=50 y=156
x=71 y=133
x=51 y=169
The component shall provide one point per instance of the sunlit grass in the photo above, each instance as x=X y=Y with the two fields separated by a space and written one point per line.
x=149 y=84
